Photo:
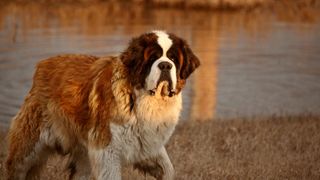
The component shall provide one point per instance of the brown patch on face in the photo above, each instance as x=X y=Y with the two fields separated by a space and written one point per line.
x=189 y=61
x=180 y=57
x=180 y=84
x=138 y=56
x=147 y=53
x=184 y=59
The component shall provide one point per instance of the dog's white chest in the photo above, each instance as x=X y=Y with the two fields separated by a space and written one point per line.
x=148 y=130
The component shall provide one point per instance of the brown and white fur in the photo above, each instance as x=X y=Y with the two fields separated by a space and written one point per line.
x=103 y=113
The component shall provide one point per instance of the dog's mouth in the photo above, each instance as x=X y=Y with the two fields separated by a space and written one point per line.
x=164 y=86
x=163 y=89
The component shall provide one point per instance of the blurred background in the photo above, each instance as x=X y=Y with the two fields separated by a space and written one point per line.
x=260 y=62
x=259 y=57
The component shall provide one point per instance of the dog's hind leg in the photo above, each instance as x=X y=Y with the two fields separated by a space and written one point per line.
x=25 y=150
x=38 y=159
x=78 y=165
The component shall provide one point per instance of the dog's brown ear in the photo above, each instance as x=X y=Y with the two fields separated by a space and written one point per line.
x=133 y=56
x=133 y=53
x=190 y=63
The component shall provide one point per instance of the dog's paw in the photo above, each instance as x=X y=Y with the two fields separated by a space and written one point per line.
x=150 y=168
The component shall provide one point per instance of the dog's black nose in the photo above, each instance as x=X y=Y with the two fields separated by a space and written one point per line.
x=165 y=66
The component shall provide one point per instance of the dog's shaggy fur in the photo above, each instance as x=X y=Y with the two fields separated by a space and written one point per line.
x=103 y=113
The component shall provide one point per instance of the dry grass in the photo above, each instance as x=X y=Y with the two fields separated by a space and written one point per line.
x=271 y=148
x=258 y=148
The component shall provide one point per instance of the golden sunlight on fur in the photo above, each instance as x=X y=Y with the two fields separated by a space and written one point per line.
x=99 y=113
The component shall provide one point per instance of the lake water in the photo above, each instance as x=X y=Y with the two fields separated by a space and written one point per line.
x=254 y=63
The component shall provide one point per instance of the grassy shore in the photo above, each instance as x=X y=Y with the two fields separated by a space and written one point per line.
x=257 y=148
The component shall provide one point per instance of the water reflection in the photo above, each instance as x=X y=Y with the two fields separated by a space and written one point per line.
x=240 y=66
x=205 y=78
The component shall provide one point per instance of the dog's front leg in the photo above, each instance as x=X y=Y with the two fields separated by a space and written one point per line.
x=158 y=166
x=105 y=163
x=164 y=161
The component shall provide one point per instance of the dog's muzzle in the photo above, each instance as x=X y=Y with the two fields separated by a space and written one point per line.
x=166 y=88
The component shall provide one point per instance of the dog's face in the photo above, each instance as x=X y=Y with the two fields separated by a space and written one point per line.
x=158 y=57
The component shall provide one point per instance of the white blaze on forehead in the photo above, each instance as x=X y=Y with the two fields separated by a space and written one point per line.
x=164 y=41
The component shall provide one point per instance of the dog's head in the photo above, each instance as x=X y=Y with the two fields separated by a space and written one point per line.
x=158 y=57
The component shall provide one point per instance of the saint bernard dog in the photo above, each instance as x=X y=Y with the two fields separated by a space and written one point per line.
x=103 y=113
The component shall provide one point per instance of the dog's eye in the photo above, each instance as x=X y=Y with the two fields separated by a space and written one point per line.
x=153 y=58
x=172 y=58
